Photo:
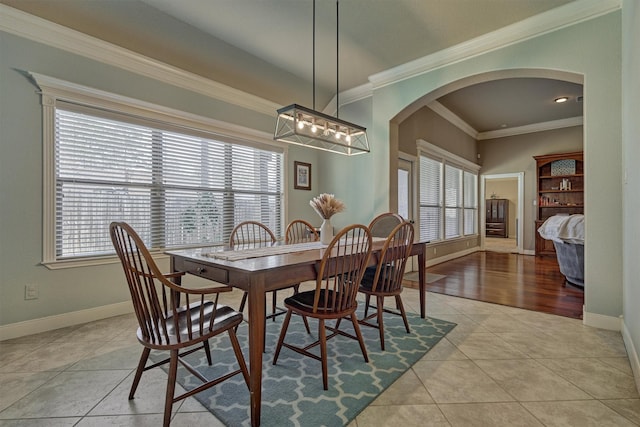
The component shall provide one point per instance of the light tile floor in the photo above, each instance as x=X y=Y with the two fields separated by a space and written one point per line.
x=500 y=366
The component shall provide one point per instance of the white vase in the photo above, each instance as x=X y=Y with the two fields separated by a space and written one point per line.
x=326 y=232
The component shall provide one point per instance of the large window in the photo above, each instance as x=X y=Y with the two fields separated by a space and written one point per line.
x=448 y=195
x=177 y=185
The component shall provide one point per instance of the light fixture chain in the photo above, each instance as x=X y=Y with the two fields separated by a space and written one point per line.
x=337 y=60
x=314 y=54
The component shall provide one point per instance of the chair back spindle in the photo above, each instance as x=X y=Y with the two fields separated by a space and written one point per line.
x=299 y=231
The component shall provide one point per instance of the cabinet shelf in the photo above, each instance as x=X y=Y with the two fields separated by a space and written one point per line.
x=575 y=175
x=560 y=191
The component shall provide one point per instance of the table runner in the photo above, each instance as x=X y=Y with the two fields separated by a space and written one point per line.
x=236 y=255
x=240 y=254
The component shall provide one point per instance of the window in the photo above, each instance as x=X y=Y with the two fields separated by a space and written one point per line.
x=178 y=186
x=448 y=195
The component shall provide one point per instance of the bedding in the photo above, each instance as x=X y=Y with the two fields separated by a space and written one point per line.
x=567 y=234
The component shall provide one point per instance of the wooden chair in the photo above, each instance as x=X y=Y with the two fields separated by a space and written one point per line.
x=384 y=223
x=165 y=324
x=334 y=297
x=386 y=279
x=255 y=234
x=299 y=231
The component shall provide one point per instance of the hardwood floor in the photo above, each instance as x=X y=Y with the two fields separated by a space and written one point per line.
x=523 y=281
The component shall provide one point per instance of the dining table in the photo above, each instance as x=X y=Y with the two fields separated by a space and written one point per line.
x=264 y=269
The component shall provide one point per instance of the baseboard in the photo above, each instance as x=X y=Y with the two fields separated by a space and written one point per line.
x=601 y=321
x=434 y=261
x=49 y=323
x=634 y=358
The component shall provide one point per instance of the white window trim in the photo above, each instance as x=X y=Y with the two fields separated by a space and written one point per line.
x=53 y=90
x=440 y=154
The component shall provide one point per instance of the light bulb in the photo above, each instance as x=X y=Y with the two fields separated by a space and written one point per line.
x=300 y=122
x=338 y=133
x=314 y=128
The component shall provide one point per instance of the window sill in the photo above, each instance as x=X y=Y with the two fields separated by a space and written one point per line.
x=90 y=262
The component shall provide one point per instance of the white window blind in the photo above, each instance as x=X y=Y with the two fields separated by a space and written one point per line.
x=453 y=201
x=176 y=186
x=470 y=203
x=448 y=195
x=430 y=199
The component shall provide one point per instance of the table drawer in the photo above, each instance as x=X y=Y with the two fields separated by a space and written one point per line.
x=205 y=271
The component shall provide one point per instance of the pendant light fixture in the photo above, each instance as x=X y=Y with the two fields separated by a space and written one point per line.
x=299 y=125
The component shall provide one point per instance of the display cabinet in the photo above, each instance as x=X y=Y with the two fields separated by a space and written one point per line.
x=560 y=186
x=497 y=218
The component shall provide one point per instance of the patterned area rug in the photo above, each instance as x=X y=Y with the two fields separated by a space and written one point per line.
x=292 y=393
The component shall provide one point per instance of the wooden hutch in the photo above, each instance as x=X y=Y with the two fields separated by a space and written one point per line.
x=560 y=182
x=497 y=218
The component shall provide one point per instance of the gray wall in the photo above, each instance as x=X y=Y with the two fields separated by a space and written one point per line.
x=631 y=180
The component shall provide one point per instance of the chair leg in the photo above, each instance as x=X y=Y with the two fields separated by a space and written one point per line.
x=367 y=297
x=306 y=324
x=356 y=327
x=141 y=364
x=239 y=356
x=171 y=387
x=322 y=334
x=273 y=305
x=304 y=318
x=207 y=351
x=283 y=332
x=402 y=312
x=380 y=303
x=243 y=302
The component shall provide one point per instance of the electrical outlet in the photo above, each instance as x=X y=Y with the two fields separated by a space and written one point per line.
x=30 y=291
x=434 y=251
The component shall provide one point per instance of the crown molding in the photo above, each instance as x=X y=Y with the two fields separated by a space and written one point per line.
x=22 y=24
x=454 y=119
x=536 y=127
x=552 y=20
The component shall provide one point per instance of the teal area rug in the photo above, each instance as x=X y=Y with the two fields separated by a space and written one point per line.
x=292 y=393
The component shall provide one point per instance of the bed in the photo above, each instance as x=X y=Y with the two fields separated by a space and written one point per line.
x=567 y=234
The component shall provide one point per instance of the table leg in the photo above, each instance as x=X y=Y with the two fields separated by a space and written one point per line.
x=256 y=345
x=422 y=273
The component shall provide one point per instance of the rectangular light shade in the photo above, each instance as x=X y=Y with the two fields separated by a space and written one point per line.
x=303 y=126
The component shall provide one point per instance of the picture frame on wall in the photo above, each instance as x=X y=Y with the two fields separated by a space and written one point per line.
x=302 y=176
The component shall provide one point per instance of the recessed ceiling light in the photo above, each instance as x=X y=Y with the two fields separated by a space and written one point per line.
x=561 y=99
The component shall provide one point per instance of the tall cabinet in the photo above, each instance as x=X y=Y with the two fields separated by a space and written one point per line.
x=497 y=218
x=560 y=182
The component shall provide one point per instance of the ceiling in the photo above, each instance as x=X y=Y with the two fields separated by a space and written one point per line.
x=265 y=47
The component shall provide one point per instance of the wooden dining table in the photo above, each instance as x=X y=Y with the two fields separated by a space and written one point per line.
x=267 y=270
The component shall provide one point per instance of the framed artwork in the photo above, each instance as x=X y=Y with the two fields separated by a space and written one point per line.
x=302 y=176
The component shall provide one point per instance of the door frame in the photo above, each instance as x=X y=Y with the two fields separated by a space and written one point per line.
x=519 y=209
x=405 y=158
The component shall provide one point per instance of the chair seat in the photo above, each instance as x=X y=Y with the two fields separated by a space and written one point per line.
x=366 y=284
x=303 y=301
x=225 y=317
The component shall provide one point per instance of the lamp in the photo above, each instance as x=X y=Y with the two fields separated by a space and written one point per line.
x=307 y=127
